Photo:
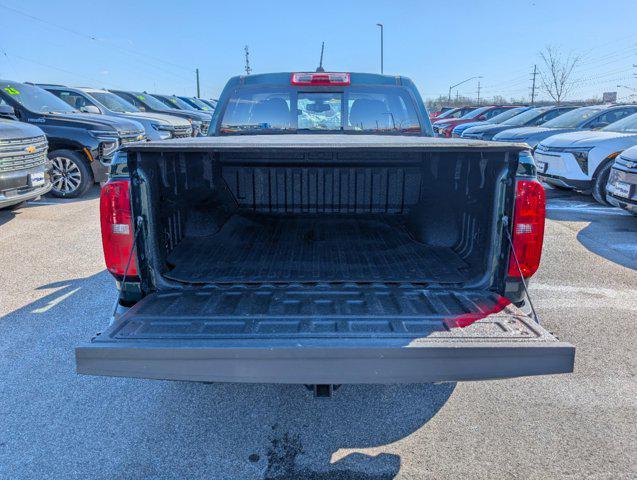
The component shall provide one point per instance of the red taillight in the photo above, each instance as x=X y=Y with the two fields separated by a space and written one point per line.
x=309 y=78
x=528 y=228
x=117 y=228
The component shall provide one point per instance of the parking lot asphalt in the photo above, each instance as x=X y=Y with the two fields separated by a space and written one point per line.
x=55 y=294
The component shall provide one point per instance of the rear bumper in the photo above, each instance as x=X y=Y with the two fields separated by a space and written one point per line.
x=444 y=362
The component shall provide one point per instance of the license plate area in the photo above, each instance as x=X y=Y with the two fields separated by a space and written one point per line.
x=37 y=179
x=541 y=166
x=622 y=189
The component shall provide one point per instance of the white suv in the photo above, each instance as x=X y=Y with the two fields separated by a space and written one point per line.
x=582 y=160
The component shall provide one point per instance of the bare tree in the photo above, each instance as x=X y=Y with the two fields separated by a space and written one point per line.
x=556 y=74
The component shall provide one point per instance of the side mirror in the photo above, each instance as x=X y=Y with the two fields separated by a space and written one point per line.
x=90 y=109
x=481 y=118
x=7 y=111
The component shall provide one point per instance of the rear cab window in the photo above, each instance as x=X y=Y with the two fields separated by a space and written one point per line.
x=369 y=109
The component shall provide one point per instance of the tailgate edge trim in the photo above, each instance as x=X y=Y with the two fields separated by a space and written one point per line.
x=377 y=365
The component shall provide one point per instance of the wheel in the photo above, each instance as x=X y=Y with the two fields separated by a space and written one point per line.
x=599 y=183
x=71 y=174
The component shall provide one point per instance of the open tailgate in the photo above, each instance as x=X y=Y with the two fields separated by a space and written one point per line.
x=355 y=333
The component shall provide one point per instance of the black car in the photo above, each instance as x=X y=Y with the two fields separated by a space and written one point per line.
x=148 y=103
x=81 y=145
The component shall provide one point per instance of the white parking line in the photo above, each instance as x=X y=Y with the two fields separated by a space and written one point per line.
x=43 y=202
x=587 y=209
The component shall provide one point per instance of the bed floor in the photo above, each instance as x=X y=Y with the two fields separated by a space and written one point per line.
x=251 y=248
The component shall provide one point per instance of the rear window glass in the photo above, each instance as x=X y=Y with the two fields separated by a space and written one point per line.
x=319 y=111
x=379 y=110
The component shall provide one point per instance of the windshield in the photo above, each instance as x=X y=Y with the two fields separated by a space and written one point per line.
x=453 y=113
x=474 y=113
x=36 y=99
x=149 y=101
x=285 y=109
x=625 y=125
x=574 y=118
x=200 y=104
x=114 y=102
x=175 y=102
x=507 y=114
x=524 y=118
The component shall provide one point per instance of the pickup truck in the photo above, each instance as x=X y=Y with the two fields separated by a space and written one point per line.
x=23 y=174
x=318 y=235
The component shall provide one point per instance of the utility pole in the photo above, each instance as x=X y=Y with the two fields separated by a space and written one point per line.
x=478 y=92
x=381 y=46
x=533 y=87
x=198 y=93
x=248 y=69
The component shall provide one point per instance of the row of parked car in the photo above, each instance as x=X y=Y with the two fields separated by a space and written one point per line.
x=588 y=149
x=71 y=134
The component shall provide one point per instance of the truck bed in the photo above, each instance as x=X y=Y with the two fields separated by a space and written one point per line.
x=271 y=248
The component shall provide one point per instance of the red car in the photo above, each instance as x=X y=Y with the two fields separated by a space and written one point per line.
x=449 y=113
x=443 y=127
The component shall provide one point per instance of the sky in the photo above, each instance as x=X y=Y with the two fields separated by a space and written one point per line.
x=156 y=45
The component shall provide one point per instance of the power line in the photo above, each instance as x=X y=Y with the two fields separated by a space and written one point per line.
x=96 y=39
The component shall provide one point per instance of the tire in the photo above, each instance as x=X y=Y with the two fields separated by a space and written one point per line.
x=71 y=174
x=599 y=183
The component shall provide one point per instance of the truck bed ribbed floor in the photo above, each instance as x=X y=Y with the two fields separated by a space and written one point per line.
x=310 y=249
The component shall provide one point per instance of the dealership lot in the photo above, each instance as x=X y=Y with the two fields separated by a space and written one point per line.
x=55 y=423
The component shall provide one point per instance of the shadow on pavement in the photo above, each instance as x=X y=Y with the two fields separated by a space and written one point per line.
x=6 y=216
x=59 y=424
x=617 y=229
x=93 y=192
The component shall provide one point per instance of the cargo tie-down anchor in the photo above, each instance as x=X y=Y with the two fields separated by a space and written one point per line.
x=323 y=390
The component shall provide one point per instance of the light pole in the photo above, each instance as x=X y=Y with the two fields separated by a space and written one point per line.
x=381 y=46
x=458 y=84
